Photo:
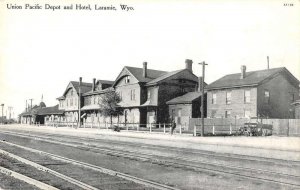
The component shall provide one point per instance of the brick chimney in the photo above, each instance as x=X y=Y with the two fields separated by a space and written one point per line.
x=80 y=81
x=199 y=84
x=94 y=84
x=243 y=71
x=189 y=64
x=145 y=69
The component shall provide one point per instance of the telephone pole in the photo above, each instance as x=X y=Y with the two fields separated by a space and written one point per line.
x=79 y=103
x=2 y=119
x=30 y=110
x=9 y=109
x=202 y=98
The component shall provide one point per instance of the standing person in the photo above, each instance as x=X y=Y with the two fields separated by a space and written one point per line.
x=173 y=126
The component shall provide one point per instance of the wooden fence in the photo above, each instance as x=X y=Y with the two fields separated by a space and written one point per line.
x=281 y=127
x=148 y=127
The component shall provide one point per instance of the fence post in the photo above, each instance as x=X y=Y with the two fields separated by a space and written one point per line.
x=213 y=129
x=164 y=128
x=230 y=129
x=127 y=126
x=194 y=130
x=137 y=128
x=180 y=130
x=159 y=125
x=150 y=127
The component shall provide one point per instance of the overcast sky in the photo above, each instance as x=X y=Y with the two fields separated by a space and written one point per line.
x=42 y=50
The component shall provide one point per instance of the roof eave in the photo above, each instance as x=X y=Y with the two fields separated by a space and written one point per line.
x=228 y=87
x=181 y=102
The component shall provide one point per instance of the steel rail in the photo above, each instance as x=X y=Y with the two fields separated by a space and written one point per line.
x=98 y=168
x=26 y=179
x=48 y=170
x=225 y=155
x=176 y=164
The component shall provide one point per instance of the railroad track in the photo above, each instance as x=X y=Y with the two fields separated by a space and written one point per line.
x=26 y=179
x=248 y=173
x=128 y=177
x=182 y=150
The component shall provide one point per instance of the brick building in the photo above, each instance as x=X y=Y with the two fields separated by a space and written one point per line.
x=144 y=92
x=265 y=93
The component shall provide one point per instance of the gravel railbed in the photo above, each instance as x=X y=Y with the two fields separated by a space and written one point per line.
x=11 y=183
x=29 y=171
x=83 y=174
x=169 y=175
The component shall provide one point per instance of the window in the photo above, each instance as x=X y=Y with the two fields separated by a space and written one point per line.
x=227 y=114
x=267 y=97
x=148 y=95
x=292 y=97
x=132 y=94
x=120 y=94
x=247 y=96
x=247 y=113
x=95 y=99
x=228 y=97
x=67 y=102
x=72 y=92
x=71 y=102
x=127 y=79
x=214 y=98
x=213 y=113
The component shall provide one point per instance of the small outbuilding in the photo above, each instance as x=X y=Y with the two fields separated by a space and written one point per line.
x=187 y=106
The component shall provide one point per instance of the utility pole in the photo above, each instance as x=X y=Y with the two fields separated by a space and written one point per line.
x=202 y=98
x=268 y=62
x=9 y=109
x=79 y=103
x=2 y=119
x=30 y=110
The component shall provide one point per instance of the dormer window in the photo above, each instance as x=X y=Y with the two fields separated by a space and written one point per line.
x=148 y=95
x=127 y=79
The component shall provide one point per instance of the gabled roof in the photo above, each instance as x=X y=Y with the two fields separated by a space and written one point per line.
x=85 y=87
x=105 y=82
x=252 y=78
x=31 y=111
x=164 y=76
x=97 y=91
x=50 y=110
x=185 y=99
x=138 y=74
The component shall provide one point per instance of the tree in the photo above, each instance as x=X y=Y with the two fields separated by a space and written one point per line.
x=109 y=104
